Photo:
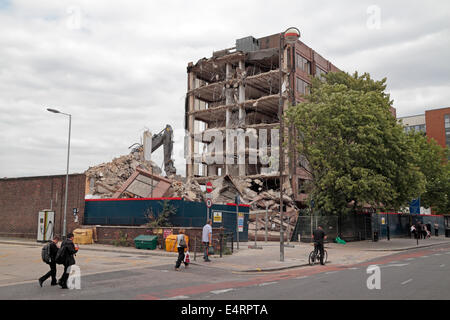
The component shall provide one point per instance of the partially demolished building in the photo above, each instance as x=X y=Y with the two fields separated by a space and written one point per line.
x=239 y=89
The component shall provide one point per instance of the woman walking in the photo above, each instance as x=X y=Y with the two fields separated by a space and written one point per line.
x=181 y=247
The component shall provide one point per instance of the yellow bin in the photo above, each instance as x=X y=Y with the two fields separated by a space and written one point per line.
x=171 y=242
x=83 y=236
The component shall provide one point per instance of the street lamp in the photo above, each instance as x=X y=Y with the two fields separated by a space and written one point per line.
x=67 y=171
x=290 y=36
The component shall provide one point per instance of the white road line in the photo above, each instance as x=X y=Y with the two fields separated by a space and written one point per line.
x=407 y=281
x=302 y=277
x=221 y=291
x=266 y=283
x=331 y=272
x=442 y=265
x=394 y=261
x=438 y=254
x=397 y=265
x=409 y=259
x=424 y=256
x=354 y=268
x=178 y=297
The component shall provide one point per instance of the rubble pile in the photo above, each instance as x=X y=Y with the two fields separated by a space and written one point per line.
x=105 y=179
x=190 y=191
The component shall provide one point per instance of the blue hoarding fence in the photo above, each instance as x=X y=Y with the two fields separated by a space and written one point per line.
x=132 y=212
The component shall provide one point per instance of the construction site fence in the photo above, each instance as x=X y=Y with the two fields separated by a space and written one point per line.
x=362 y=226
x=223 y=244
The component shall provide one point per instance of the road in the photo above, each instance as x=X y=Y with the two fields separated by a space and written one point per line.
x=413 y=274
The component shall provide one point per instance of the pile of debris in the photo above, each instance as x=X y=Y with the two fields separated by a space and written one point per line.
x=105 y=179
x=114 y=179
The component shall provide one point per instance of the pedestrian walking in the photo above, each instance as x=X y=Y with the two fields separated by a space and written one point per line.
x=182 y=246
x=419 y=230
x=436 y=229
x=67 y=251
x=49 y=257
x=413 y=232
x=207 y=239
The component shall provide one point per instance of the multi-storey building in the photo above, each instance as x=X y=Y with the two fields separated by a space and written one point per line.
x=434 y=123
x=239 y=89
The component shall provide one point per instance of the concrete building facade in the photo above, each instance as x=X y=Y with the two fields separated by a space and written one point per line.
x=239 y=89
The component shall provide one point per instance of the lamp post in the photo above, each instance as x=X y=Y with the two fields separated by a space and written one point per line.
x=290 y=36
x=67 y=170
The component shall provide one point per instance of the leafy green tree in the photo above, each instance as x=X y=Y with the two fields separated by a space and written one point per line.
x=431 y=158
x=356 y=152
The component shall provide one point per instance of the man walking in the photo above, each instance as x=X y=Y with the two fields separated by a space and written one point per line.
x=207 y=239
x=318 y=238
x=69 y=251
x=53 y=249
x=436 y=229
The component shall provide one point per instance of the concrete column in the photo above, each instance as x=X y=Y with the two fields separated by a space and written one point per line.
x=191 y=121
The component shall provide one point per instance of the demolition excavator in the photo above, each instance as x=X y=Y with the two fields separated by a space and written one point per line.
x=163 y=138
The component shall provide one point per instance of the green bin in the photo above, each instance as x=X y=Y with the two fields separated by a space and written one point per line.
x=146 y=242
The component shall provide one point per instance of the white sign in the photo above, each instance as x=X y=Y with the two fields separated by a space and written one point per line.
x=209 y=203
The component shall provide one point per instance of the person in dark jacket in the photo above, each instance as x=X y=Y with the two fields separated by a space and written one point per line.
x=52 y=272
x=69 y=252
x=318 y=237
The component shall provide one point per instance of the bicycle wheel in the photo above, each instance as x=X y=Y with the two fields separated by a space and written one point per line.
x=311 y=258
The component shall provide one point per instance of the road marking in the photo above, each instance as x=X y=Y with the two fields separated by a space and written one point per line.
x=302 y=277
x=266 y=283
x=407 y=281
x=397 y=265
x=178 y=297
x=221 y=291
x=394 y=261
x=331 y=272
x=354 y=268
x=438 y=254
x=442 y=265
x=409 y=259
x=424 y=256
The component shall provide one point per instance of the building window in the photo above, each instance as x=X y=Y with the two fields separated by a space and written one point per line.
x=301 y=185
x=302 y=87
x=303 y=64
x=418 y=128
x=447 y=130
x=320 y=73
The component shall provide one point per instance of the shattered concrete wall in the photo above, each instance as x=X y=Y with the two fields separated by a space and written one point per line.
x=103 y=180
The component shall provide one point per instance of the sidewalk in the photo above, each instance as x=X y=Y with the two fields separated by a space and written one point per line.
x=268 y=258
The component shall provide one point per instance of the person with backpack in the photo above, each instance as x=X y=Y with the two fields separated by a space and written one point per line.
x=65 y=256
x=181 y=247
x=49 y=252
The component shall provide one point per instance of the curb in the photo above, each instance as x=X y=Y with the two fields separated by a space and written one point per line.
x=410 y=248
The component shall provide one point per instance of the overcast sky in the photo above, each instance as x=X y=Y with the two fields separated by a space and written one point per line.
x=119 y=67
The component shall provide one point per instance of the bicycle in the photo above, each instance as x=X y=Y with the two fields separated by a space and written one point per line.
x=312 y=259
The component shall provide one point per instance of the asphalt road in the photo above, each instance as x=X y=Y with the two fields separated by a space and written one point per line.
x=414 y=274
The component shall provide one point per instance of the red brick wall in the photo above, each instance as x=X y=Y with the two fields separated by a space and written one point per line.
x=22 y=198
x=434 y=120
x=108 y=234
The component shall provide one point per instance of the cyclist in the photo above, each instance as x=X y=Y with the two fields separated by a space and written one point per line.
x=318 y=237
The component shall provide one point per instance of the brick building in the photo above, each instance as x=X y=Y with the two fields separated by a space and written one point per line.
x=438 y=125
x=239 y=88
x=22 y=198
x=434 y=123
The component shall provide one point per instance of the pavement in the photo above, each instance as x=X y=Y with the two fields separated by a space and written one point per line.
x=268 y=257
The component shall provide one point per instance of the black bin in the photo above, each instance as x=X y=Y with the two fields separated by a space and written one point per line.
x=447 y=233
x=375 y=236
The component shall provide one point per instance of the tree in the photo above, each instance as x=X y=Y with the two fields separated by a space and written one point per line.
x=431 y=158
x=356 y=152
x=163 y=218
